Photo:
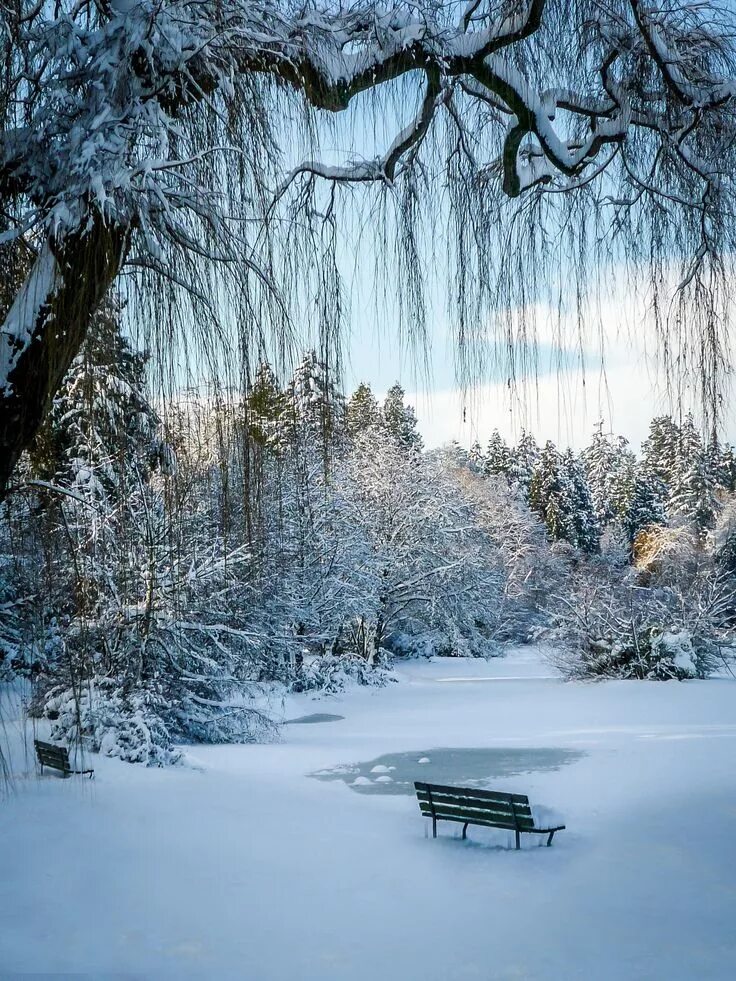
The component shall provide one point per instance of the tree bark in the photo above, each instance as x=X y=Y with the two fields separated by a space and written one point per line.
x=45 y=328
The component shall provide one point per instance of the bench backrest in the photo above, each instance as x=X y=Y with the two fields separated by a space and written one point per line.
x=488 y=807
x=51 y=755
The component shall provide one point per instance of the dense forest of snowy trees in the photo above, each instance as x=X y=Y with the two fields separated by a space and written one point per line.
x=160 y=565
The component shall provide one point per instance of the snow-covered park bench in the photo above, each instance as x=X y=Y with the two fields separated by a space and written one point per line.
x=57 y=757
x=486 y=808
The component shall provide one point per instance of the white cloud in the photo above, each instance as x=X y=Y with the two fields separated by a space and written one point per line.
x=562 y=408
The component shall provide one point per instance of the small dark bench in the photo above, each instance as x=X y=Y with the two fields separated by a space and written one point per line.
x=486 y=808
x=57 y=757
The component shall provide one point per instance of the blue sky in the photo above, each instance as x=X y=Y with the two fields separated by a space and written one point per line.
x=606 y=373
x=561 y=399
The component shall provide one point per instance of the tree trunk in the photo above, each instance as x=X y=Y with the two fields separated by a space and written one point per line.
x=45 y=327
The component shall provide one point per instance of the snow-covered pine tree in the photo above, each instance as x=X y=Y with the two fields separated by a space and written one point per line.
x=99 y=436
x=727 y=468
x=585 y=526
x=363 y=411
x=694 y=495
x=497 y=460
x=266 y=410
x=693 y=491
x=315 y=406
x=550 y=495
x=476 y=458
x=645 y=503
x=524 y=458
x=400 y=419
x=659 y=450
x=604 y=460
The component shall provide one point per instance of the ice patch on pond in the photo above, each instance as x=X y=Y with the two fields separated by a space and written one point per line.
x=459 y=767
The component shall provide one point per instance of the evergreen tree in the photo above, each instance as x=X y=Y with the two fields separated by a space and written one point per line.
x=607 y=461
x=716 y=461
x=314 y=404
x=498 y=457
x=585 y=528
x=693 y=496
x=693 y=491
x=266 y=409
x=727 y=468
x=476 y=458
x=725 y=538
x=400 y=419
x=646 y=504
x=549 y=495
x=661 y=448
x=363 y=410
x=100 y=433
x=689 y=443
x=523 y=459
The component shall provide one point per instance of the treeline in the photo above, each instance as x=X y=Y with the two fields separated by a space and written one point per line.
x=163 y=568
x=606 y=490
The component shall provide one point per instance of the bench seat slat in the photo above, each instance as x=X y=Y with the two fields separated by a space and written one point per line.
x=503 y=823
x=476 y=817
x=469 y=800
x=494 y=795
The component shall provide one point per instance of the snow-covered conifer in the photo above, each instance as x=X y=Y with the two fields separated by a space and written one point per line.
x=660 y=449
x=586 y=533
x=497 y=460
x=363 y=411
x=523 y=461
x=606 y=461
x=693 y=490
x=400 y=419
x=645 y=504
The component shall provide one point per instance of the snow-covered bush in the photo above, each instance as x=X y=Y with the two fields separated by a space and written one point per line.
x=104 y=717
x=142 y=723
x=607 y=625
x=330 y=674
x=648 y=654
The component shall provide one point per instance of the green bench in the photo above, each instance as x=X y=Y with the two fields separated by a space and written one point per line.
x=56 y=757
x=486 y=808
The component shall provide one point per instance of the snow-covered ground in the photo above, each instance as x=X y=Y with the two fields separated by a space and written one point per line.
x=246 y=867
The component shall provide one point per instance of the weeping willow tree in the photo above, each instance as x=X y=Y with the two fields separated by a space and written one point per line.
x=187 y=147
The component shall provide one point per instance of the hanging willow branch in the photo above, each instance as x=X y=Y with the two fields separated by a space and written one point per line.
x=530 y=136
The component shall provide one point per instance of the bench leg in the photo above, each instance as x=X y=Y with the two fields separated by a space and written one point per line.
x=518 y=840
x=465 y=830
x=434 y=827
x=549 y=840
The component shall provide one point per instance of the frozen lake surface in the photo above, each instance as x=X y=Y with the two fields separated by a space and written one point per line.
x=245 y=867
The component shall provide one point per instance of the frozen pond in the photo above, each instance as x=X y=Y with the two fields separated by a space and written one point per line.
x=314 y=717
x=395 y=773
